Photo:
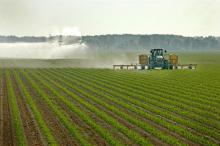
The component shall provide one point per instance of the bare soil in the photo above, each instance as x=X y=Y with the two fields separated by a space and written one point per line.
x=58 y=130
x=32 y=132
x=6 y=126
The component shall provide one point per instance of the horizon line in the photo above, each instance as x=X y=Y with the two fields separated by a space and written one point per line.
x=14 y=35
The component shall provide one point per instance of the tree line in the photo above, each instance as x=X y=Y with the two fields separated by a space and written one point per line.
x=133 y=42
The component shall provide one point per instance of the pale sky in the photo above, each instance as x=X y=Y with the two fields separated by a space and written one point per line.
x=94 y=17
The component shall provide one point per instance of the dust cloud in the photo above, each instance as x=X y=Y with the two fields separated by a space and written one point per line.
x=41 y=50
x=63 y=48
x=63 y=44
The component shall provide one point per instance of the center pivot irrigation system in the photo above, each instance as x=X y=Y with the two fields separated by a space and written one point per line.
x=158 y=59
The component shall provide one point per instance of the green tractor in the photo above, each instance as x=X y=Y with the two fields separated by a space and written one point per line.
x=157 y=59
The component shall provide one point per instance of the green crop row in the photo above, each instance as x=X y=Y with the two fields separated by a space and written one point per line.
x=103 y=132
x=203 y=98
x=165 y=96
x=132 y=104
x=65 y=120
x=159 y=77
x=122 y=89
x=177 y=83
x=16 y=119
x=117 y=93
x=137 y=138
x=186 y=133
x=187 y=77
x=198 y=78
x=173 y=85
x=37 y=115
x=166 y=138
x=167 y=89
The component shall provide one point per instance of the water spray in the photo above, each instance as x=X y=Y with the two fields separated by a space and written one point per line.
x=65 y=44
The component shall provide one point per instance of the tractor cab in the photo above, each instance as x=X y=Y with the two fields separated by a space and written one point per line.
x=157 y=60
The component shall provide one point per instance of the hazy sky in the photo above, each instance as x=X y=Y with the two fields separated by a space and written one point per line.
x=42 y=17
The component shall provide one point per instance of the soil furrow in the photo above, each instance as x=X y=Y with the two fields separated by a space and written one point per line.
x=99 y=121
x=160 y=127
x=60 y=132
x=31 y=130
x=153 y=139
x=1 y=112
x=8 y=139
x=86 y=129
x=83 y=127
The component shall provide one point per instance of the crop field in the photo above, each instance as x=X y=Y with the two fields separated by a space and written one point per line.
x=74 y=106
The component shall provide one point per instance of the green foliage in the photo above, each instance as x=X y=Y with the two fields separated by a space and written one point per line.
x=172 y=126
x=103 y=132
x=65 y=120
x=131 y=134
x=16 y=119
x=37 y=115
x=178 y=107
